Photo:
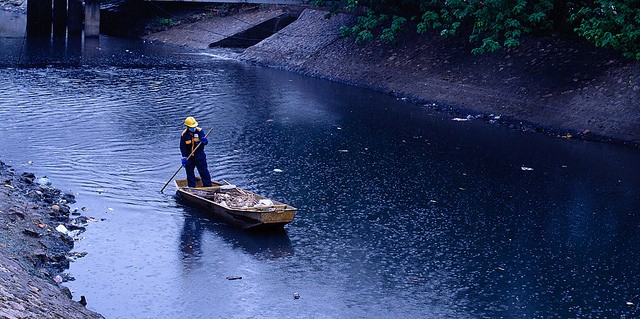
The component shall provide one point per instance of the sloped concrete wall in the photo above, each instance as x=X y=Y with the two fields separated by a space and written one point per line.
x=298 y=42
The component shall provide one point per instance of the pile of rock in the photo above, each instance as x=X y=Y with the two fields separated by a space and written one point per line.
x=33 y=252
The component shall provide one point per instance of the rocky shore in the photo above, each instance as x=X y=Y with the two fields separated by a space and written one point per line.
x=36 y=232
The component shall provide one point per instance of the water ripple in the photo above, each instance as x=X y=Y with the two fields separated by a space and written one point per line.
x=401 y=212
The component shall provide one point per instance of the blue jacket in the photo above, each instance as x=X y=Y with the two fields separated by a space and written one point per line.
x=188 y=142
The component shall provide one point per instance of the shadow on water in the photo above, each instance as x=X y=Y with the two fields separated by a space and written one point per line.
x=19 y=50
x=56 y=51
x=272 y=244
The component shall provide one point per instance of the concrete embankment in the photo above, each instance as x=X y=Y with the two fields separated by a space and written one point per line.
x=209 y=32
x=35 y=242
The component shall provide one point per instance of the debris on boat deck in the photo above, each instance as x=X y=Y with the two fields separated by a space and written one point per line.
x=233 y=197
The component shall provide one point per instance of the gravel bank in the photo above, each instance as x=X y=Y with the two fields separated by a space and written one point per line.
x=33 y=249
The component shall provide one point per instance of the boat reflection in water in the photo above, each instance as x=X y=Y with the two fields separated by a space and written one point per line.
x=271 y=244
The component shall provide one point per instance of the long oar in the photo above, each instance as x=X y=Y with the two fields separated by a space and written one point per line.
x=179 y=168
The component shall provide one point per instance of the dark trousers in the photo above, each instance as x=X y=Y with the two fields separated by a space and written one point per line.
x=203 y=170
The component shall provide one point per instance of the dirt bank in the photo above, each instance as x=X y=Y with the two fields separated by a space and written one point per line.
x=35 y=245
x=550 y=85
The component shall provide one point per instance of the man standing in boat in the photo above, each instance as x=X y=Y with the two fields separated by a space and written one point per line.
x=189 y=140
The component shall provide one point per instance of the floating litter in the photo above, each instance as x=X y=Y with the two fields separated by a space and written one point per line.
x=524 y=168
x=277 y=170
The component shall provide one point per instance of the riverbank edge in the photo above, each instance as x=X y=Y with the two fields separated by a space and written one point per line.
x=36 y=225
x=552 y=86
x=561 y=88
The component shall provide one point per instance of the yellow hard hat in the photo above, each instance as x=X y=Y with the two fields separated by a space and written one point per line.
x=190 y=122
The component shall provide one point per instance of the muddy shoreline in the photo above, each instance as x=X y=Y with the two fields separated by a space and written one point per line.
x=37 y=228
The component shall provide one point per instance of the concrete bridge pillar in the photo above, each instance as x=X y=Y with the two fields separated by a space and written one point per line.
x=39 y=18
x=75 y=14
x=63 y=16
x=59 y=18
x=91 y=18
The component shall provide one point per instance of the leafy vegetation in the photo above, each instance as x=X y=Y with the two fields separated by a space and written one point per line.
x=491 y=25
x=613 y=24
x=166 y=22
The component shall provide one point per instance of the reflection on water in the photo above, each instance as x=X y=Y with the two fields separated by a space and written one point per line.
x=263 y=245
x=401 y=211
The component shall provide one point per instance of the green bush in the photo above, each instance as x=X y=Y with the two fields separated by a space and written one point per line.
x=614 y=24
x=492 y=25
x=166 y=22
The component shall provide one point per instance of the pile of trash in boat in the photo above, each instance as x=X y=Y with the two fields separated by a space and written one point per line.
x=232 y=197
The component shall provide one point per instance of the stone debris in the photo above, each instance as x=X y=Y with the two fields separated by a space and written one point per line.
x=62 y=229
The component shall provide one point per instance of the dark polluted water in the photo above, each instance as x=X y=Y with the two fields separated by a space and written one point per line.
x=402 y=212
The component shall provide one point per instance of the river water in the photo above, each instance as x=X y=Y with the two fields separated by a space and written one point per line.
x=403 y=213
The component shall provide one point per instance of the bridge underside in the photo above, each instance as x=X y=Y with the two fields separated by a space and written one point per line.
x=64 y=16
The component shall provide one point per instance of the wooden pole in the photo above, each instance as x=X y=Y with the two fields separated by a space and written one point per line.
x=179 y=168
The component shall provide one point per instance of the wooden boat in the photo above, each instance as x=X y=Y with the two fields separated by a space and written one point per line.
x=237 y=206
